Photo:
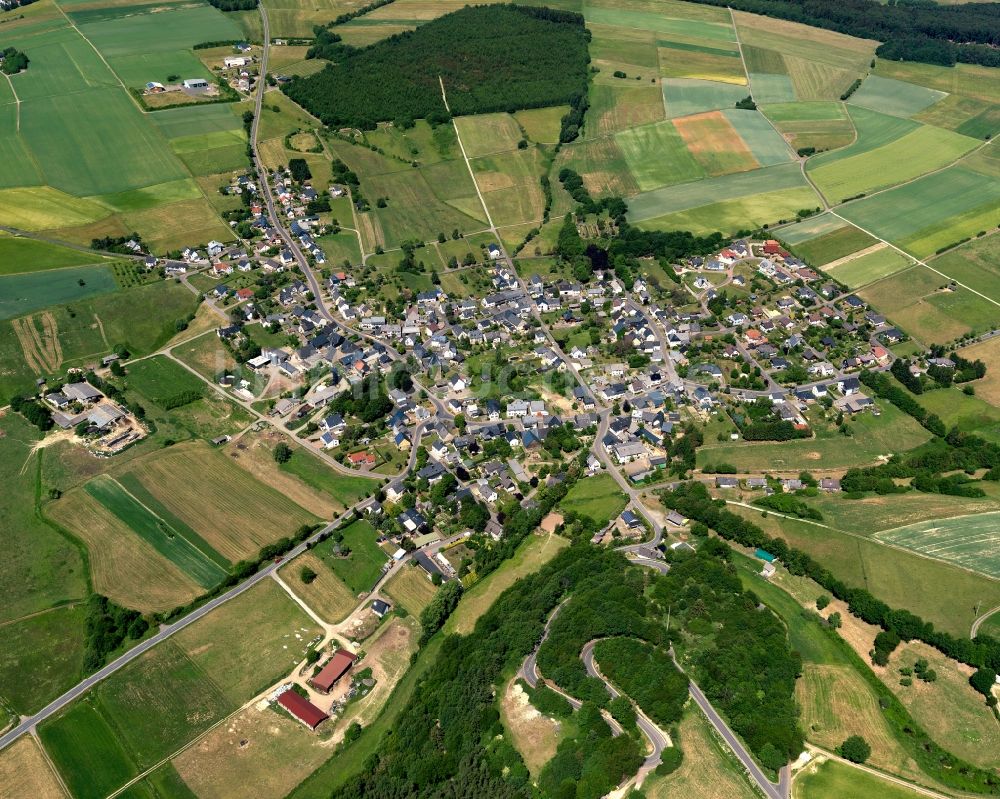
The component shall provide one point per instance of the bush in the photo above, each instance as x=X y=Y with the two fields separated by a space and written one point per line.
x=855 y=749
x=670 y=761
x=307 y=575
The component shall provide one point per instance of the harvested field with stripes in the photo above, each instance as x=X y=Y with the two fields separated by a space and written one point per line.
x=969 y=541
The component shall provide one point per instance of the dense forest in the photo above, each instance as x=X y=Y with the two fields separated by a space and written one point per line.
x=490 y=58
x=234 y=5
x=911 y=30
x=12 y=61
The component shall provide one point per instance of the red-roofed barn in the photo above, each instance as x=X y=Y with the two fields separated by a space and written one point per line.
x=304 y=710
x=335 y=668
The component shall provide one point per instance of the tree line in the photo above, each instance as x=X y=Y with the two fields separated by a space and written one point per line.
x=927 y=32
x=489 y=58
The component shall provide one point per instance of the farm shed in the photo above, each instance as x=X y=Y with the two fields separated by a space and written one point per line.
x=304 y=710
x=335 y=668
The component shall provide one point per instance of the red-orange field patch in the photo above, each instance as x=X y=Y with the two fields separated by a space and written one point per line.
x=715 y=144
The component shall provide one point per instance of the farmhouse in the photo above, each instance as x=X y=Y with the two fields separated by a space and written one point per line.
x=335 y=668
x=302 y=709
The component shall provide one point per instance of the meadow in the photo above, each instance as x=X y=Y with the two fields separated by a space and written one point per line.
x=362 y=567
x=326 y=594
x=410 y=589
x=29 y=291
x=820 y=125
x=828 y=247
x=974 y=265
x=19 y=255
x=345 y=490
x=833 y=780
x=163 y=381
x=894 y=97
x=598 y=498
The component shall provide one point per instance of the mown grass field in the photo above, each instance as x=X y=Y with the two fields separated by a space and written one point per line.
x=327 y=594
x=161 y=380
x=974 y=265
x=410 y=589
x=833 y=780
x=24 y=771
x=345 y=490
x=597 y=497
x=362 y=567
x=868 y=268
x=250 y=642
x=822 y=125
x=685 y=96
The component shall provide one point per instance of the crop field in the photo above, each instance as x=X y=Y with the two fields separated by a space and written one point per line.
x=137 y=561
x=485 y=134
x=410 y=589
x=684 y=96
x=327 y=594
x=41 y=657
x=767 y=147
x=967 y=115
x=234 y=513
x=597 y=497
x=362 y=567
x=19 y=255
x=186 y=552
x=43 y=207
x=874 y=130
x=932 y=211
x=895 y=97
x=869 y=267
x=966 y=79
x=972 y=542
x=656 y=155
x=249 y=642
x=90 y=757
x=24 y=771
x=811 y=228
x=833 y=780
x=974 y=264
x=714 y=143
x=672 y=199
x=30 y=291
x=822 y=125
x=832 y=246
x=916 y=153
x=731 y=216
x=159 y=702
x=294 y=18
x=622 y=106
x=510 y=185
x=602 y=163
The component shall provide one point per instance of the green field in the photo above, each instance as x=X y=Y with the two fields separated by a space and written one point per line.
x=811 y=228
x=19 y=255
x=657 y=156
x=765 y=143
x=41 y=657
x=598 y=498
x=194 y=557
x=684 y=96
x=975 y=265
x=871 y=267
x=661 y=23
x=894 y=97
x=29 y=291
x=410 y=589
x=159 y=702
x=930 y=212
x=345 y=489
x=712 y=190
x=913 y=154
x=833 y=780
x=874 y=130
x=821 y=125
x=86 y=751
x=162 y=380
x=827 y=247
x=967 y=115
x=731 y=216
x=972 y=542
x=363 y=566
x=772 y=88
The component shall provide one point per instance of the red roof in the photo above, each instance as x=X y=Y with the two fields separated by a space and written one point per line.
x=244 y=294
x=304 y=710
x=336 y=668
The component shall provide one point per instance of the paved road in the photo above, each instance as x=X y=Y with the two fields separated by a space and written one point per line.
x=529 y=669
x=658 y=739
x=165 y=632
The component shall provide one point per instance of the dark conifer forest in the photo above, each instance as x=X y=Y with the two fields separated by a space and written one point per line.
x=490 y=58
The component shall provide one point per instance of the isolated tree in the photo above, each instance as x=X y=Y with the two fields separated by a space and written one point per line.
x=855 y=749
x=307 y=575
x=282 y=452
